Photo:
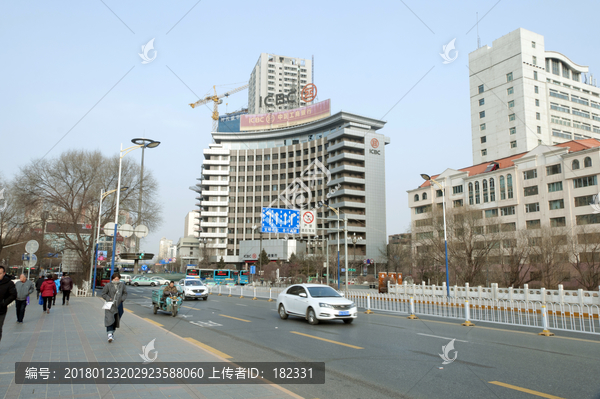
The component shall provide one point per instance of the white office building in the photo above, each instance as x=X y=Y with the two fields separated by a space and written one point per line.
x=163 y=248
x=273 y=79
x=191 y=221
x=523 y=95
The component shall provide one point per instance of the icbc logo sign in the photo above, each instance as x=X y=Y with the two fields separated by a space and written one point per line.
x=309 y=93
x=374 y=144
x=253 y=256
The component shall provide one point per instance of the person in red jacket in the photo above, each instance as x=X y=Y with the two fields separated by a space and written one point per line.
x=48 y=290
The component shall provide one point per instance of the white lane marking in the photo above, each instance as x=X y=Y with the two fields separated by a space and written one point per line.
x=435 y=336
x=206 y=323
x=239 y=304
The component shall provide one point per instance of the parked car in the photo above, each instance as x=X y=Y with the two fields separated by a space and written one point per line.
x=126 y=278
x=315 y=302
x=193 y=288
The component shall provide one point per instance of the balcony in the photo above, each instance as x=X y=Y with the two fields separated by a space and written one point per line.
x=348 y=168
x=346 y=179
x=214 y=183
x=213 y=224
x=355 y=193
x=216 y=162
x=345 y=144
x=345 y=155
x=210 y=172
x=216 y=151
x=346 y=132
x=207 y=213
x=212 y=235
x=214 y=203
x=350 y=204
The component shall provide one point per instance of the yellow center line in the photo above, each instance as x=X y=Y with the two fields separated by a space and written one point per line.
x=529 y=391
x=235 y=318
x=152 y=321
x=147 y=297
x=326 y=340
x=208 y=348
x=189 y=307
x=127 y=310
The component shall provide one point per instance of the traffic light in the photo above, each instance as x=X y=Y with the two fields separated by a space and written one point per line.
x=141 y=256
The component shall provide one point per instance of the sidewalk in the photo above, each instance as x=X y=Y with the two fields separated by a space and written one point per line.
x=76 y=333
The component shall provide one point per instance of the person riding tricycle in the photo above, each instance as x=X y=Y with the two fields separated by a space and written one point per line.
x=167 y=299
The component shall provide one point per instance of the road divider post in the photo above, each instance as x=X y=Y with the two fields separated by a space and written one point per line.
x=241 y=291
x=369 y=311
x=412 y=315
x=270 y=297
x=219 y=291
x=467 y=322
x=229 y=291
x=546 y=332
x=254 y=299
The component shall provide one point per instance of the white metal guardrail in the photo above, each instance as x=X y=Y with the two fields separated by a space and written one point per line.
x=560 y=316
x=494 y=292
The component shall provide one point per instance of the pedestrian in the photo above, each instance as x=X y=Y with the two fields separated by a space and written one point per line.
x=48 y=291
x=66 y=285
x=24 y=289
x=8 y=293
x=57 y=283
x=114 y=292
x=38 y=284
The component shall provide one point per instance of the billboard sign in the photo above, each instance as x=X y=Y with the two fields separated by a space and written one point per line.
x=291 y=117
x=276 y=220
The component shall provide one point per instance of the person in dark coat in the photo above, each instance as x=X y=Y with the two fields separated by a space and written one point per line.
x=115 y=292
x=48 y=290
x=8 y=293
x=66 y=285
x=24 y=288
x=38 y=285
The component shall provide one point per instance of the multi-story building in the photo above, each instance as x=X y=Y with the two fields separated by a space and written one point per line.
x=163 y=248
x=523 y=95
x=189 y=228
x=188 y=251
x=549 y=187
x=276 y=75
x=339 y=159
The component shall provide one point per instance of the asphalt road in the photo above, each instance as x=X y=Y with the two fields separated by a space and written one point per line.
x=388 y=356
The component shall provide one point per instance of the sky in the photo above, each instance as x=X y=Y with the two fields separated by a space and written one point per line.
x=71 y=77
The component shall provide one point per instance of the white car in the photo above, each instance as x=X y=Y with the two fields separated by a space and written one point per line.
x=160 y=281
x=193 y=288
x=126 y=278
x=315 y=302
x=144 y=281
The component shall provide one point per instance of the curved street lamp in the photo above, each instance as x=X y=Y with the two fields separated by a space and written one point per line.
x=427 y=177
x=144 y=143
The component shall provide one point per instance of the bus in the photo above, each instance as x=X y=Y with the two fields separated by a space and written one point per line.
x=224 y=276
x=243 y=279
x=103 y=275
x=202 y=274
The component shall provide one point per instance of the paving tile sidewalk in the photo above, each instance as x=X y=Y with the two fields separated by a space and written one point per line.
x=76 y=333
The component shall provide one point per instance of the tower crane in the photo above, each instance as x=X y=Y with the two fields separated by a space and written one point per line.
x=216 y=99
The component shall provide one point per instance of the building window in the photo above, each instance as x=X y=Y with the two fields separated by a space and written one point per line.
x=502 y=189
x=586 y=181
x=492 y=190
x=513 y=144
x=485 y=191
x=424 y=196
x=558 y=222
x=510 y=91
x=482 y=114
x=587 y=162
x=531 y=190
x=470 y=193
x=556 y=204
x=535 y=76
x=509 y=186
x=511 y=104
x=507 y=211
x=534 y=60
x=416 y=197
x=477 y=197
x=534 y=207
x=481 y=101
x=509 y=77
x=491 y=213
x=557 y=186
x=533 y=224
x=533 y=44
x=536 y=90
x=483 y=139
x=537 y=102
x=513 y=130
x=530 y=174
x=594 y=218
x=553 y=169
x=422 y=209
x=480 y=89
x=538 y=116
x=439 y=193
x=482 y=127
x=584 y=201
x=483 y=152
x=539 y=129
x=511 y=117
x=575 y=165
x=457 y=189
x=458 y=203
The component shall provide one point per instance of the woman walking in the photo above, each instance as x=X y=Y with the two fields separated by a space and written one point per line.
x=48 y=290
x=116 y=293
x=57 y=282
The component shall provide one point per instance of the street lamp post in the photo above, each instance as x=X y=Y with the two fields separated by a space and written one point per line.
x=355 y=239
x=338 y=244
x=150 y=144
x=427 y=177
x=122 y=153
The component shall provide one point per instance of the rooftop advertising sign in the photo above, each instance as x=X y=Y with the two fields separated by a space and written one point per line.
x=291 y=117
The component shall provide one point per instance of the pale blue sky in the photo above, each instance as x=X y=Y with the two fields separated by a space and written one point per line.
x=60 y=58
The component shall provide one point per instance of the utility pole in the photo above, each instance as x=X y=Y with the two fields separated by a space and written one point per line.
x=346 y=248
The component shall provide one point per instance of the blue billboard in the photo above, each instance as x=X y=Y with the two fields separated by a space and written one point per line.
x=276 y=220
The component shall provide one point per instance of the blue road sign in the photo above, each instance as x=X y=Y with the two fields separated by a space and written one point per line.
x=276 y=220
x=252 y=269
x=144 y=267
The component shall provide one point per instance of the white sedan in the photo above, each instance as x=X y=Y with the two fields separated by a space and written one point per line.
x=144 y=281
x=315 y=302
x=160 y=280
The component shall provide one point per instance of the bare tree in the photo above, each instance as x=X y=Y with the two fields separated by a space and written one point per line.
x=514 y=259
x=586 y=258
x=550 y=249
x=14 y=226
x=69 y=187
